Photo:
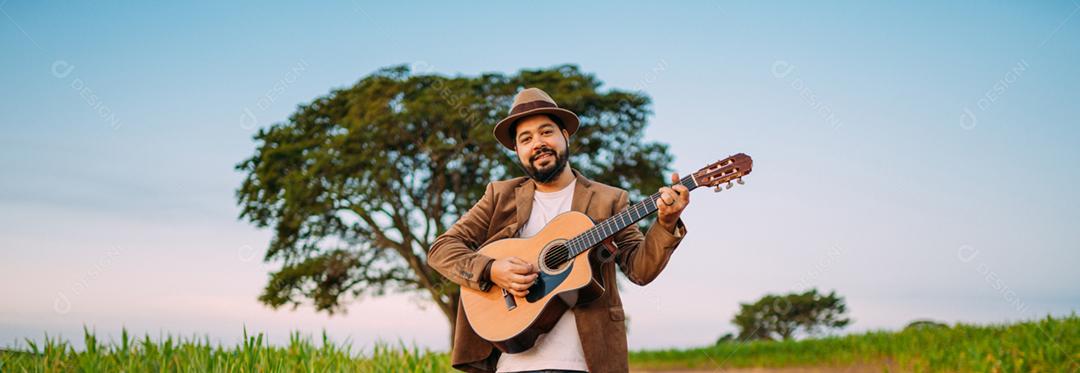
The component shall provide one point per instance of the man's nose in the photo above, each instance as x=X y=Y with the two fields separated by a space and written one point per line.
x=537 y=146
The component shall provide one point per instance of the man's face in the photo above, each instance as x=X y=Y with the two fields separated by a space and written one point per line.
x=541 y=147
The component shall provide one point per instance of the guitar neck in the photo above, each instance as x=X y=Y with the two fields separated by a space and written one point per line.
x=620 y=221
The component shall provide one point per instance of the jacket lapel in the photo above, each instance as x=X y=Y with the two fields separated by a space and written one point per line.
x=582 y=194
x=523 y=198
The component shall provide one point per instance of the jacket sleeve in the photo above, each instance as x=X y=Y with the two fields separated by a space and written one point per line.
x=453 y=254
x=642 y=257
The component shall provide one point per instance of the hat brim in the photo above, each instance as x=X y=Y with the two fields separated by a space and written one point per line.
x=502 y=129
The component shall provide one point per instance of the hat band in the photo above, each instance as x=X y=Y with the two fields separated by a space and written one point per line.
x=521 y=108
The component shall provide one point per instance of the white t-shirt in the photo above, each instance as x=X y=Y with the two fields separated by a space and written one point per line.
x=561 y=347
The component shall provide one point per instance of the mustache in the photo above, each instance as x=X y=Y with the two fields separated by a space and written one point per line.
x=541 y=152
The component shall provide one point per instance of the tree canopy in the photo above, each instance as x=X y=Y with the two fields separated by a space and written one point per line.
x=781 y=316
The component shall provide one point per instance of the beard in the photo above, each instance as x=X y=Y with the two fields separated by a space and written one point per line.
x=545 y=174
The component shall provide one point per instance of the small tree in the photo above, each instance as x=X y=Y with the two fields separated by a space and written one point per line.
x=924 y=324
x=781 y=316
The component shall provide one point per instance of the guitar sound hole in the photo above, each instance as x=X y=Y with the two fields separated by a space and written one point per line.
x=555 y=258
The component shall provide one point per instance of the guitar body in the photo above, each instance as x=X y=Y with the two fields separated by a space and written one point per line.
x=514 y=326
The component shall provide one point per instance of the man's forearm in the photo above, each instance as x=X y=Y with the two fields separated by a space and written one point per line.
x=459 y=264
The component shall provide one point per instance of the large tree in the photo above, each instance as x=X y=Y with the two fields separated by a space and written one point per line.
x=781 y=316
x=358 y=183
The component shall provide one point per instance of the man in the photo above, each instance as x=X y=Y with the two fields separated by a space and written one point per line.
x=587 y=337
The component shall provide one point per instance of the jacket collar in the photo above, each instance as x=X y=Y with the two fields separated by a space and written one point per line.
x=583 y=192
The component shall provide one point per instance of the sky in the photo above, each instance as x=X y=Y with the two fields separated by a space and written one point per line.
x=919 y=158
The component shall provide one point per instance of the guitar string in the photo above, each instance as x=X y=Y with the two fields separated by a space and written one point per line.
x=561 y=254
x=564 y=250
x=604 y=226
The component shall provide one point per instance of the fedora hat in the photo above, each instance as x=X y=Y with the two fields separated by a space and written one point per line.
x=532 y=101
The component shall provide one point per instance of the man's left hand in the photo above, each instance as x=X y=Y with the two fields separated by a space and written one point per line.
x=671 y=203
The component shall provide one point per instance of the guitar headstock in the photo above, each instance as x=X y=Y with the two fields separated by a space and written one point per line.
x=728 y=170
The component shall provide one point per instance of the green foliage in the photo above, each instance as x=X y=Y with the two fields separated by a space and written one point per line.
x=783 y=315
x=358 y=183
x=726 y=338
x=1046 y=345
x=925 y=324
x=252 y=354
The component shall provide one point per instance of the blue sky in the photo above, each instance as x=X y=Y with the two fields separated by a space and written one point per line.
x=919 y=158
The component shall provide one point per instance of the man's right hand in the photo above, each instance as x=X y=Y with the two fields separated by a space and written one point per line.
x=514 y=275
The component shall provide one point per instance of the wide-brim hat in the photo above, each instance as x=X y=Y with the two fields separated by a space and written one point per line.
x=532 y=101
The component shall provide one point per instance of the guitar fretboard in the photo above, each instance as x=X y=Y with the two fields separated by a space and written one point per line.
x=618 y=222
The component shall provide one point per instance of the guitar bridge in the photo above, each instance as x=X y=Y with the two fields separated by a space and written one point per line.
x=511 y=304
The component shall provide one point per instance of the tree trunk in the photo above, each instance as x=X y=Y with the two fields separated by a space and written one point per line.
x=452 y=317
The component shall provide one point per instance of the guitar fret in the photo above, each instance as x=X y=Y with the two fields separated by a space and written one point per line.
x=621 y=220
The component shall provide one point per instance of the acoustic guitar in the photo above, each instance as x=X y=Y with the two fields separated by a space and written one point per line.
x=566 y=277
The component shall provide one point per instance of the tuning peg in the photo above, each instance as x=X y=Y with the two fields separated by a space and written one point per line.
x=718 y=189
x=730 y=185
x=739 y=180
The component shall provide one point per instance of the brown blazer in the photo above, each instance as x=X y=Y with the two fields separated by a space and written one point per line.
x=504 y=208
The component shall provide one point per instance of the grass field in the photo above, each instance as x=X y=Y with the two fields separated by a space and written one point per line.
x=253 y=354
x=1047 y=345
